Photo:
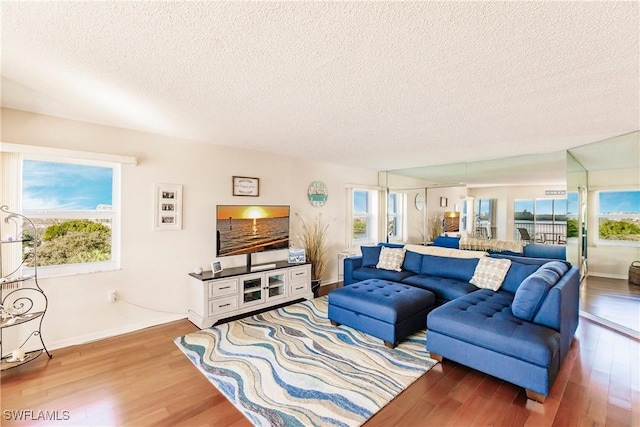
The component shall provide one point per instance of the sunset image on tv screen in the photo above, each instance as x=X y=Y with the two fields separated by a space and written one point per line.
x=245 y=229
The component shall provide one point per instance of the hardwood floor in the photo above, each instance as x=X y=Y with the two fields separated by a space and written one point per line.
x=142 y=379
x=614 y=300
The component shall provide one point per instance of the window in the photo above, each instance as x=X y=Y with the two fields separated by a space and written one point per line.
x=484 y=219
x=619 y=216
x=573 y=205
x=544 y=219
x=395 y=217
x=484 y=210
x=364 y=216
x=75 y=206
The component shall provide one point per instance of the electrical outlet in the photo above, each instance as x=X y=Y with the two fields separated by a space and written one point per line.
x=111 y=295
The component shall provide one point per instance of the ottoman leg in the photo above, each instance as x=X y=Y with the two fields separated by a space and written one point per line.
x=334 y=323
x=389 y=344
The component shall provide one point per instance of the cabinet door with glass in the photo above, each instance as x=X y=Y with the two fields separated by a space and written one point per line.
x=276 y=284
x=252 y=288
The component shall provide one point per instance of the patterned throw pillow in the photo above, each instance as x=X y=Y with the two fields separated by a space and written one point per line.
x=490 y=273
x=391 y=258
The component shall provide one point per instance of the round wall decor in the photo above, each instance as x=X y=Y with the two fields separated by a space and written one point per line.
x=317 y=194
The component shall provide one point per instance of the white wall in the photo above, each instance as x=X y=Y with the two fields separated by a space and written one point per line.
x=155 y=264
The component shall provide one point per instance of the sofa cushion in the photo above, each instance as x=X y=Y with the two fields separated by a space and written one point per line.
x=445 y=289
x=522 y=259
x=453 y=268
x=532 y=291
x=447 y=242
x=560 y=267
x=364 y=273
x=370 y=255
x=490 y=273
x=516 y=275
x=483 y=318
x=447 y=252
x=534 y=250
x=412 y=262
x=391 y=259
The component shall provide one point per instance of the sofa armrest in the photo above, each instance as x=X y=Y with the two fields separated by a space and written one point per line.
x=351 y=264
x=560 y=309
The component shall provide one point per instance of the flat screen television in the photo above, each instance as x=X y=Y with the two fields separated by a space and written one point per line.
x=245 y=229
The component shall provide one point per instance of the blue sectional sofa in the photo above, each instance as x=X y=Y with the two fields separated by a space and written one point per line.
x=520 y=332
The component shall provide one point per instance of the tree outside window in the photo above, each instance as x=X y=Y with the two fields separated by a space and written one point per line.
x=619 y=216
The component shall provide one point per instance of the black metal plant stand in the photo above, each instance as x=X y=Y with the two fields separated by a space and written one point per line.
x=22 y=301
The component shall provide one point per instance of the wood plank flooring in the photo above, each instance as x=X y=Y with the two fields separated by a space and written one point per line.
x=142 y=379
x=614 y=300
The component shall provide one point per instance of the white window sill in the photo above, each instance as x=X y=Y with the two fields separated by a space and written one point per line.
x=45 y=272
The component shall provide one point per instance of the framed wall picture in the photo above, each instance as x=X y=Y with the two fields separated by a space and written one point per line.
x=443 y=202
x=245 y=186
x=216 y=267
x=167 y=212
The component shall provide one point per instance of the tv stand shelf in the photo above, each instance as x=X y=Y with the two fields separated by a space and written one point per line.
x=240 y=290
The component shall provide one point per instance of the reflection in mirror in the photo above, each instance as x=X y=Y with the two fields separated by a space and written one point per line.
x=610 y=166
x=611 y=200
x=419 y=201
x=545 y=169
x=450 y=175
x=485 y=219
x=409 y=184
x=406 y=219
x=576 y=212
x=500 y=180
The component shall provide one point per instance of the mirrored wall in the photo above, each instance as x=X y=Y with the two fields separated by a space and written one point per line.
x=429 y=194
x=480 y=195
x=606 y=177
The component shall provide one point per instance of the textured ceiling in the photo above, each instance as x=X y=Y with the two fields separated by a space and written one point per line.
x=383 y=85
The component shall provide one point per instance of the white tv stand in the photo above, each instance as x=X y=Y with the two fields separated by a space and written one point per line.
x=240 y=290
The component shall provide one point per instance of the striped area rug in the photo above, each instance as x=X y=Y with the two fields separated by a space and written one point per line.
x=290 y=367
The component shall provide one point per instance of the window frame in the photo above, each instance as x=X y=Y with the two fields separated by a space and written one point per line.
x=114 y=215
x=371 y=216
x=399 y=215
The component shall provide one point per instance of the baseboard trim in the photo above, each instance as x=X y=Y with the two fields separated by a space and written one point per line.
x=608 y=276
x=109 y=333
x=611 y=325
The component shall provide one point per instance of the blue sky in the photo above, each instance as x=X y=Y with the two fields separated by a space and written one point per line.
x=360 y=201
x=64 y=186
x=609 y=201
x=619 y=201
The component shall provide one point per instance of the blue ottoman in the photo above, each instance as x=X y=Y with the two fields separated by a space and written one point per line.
x=387 y=310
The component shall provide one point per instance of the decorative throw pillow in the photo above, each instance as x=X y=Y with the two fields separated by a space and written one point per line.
x=531 y=294
x=412 y=262
x=516 y=275
x=490 y=273
x=391 y=259
x=370 y=255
